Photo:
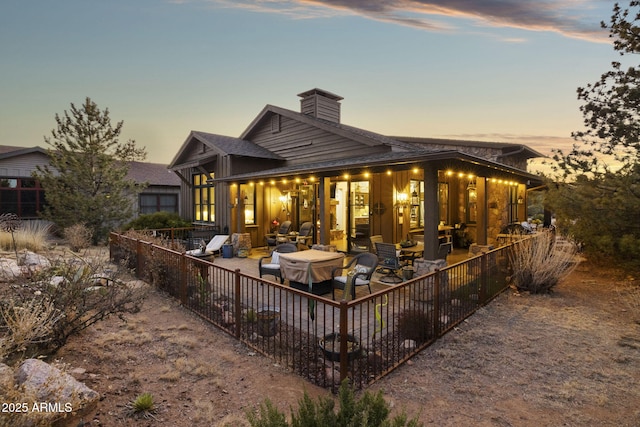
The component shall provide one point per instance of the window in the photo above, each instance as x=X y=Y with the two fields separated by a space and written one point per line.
x=150 y=203
x=443 y=202
x=472 y=203
x=21 y=196
x=416 y=197
x=248 y=194
x=203 y=198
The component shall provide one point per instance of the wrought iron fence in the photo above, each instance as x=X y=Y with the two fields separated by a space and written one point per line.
x=318 y=338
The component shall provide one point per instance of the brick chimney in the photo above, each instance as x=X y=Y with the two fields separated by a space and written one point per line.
x=320 y=104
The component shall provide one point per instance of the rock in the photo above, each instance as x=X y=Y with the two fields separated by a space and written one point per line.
x=9 y=269
x=409 y=344
x=55 y=393
x=33 y=260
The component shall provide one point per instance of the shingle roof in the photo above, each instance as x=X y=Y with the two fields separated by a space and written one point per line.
x=153 y=173
x=235 y=146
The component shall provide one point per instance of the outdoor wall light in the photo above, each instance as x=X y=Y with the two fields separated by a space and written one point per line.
x=415 y=200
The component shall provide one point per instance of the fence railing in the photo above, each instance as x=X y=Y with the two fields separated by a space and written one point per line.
x=321 y=339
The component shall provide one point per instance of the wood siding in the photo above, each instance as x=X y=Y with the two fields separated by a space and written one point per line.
x=321 y=107
x=22 y=166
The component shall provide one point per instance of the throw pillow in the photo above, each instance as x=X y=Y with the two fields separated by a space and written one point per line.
x=275 y=257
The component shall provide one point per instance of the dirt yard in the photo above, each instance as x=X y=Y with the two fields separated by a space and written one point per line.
x=567 y=359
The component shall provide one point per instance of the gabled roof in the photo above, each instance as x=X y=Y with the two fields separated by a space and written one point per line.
x=153 y=173
x=9 y=151
x=224 y=145
x=350 y=132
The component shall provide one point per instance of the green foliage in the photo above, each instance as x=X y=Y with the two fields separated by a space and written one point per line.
x=142 y=406
x=268 y=416
x=87 y=175
x=156 y=221
x=596 y=190
x=371 y=410
x=144 y=402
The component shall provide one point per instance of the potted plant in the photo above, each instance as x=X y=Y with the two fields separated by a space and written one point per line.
x=330 y=346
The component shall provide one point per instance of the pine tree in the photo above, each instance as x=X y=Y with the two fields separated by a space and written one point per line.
x=596 y=193
x=86 y=181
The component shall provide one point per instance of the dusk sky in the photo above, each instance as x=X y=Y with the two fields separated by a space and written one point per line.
x=497 y=70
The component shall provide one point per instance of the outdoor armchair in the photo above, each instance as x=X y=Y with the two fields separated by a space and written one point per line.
x=363 y=264
x=389 y=261
x=270 y=264
x=281 y=236
x=305 y=234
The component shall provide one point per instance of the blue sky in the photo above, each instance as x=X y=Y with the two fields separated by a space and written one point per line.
x=498 y=70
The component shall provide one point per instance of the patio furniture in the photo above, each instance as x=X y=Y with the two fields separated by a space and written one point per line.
x=304 y=235
x=360 y=241
x=409 y=253
x=443 y=250
x=273 y=267
x=364 y=265
x=281 y=236
x=214 y=246
x=310 y=270
x=389 y=261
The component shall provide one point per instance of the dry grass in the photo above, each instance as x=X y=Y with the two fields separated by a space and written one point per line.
x=31 y=235
x=26 y=325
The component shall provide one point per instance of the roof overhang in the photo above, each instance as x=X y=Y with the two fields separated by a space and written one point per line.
x=445 y=160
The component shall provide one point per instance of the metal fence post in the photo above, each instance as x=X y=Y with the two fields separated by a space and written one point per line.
x=238 y=304
x=182 y=291
x=484 y=278
x=436 y=303
x=344 y=356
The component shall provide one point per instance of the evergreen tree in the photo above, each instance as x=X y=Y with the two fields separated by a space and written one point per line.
x=86 y=181
x=596 y=192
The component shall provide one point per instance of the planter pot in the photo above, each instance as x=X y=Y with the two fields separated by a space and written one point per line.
x=268 y=321
x=330 y=345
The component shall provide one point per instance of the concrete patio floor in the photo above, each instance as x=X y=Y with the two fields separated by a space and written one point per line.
x=249 y=266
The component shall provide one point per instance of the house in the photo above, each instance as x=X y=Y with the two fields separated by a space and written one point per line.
x=21 y=194
x=309 y=166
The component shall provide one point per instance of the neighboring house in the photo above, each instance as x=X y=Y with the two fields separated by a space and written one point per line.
x=308 y=166
x=21 y=194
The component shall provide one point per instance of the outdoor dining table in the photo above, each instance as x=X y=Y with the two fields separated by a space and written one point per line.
x=411 y=252
x=310 y=270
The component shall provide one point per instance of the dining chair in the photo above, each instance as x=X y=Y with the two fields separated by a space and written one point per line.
x=389 y=261
x=272 y=266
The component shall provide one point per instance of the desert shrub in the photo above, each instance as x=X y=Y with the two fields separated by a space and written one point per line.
x=60 y=301
x=414 y=324
x=157 y=220
x=26 y=325
x=370 y=410
x=142 y=406
x=78 y=236
x=540 y=262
